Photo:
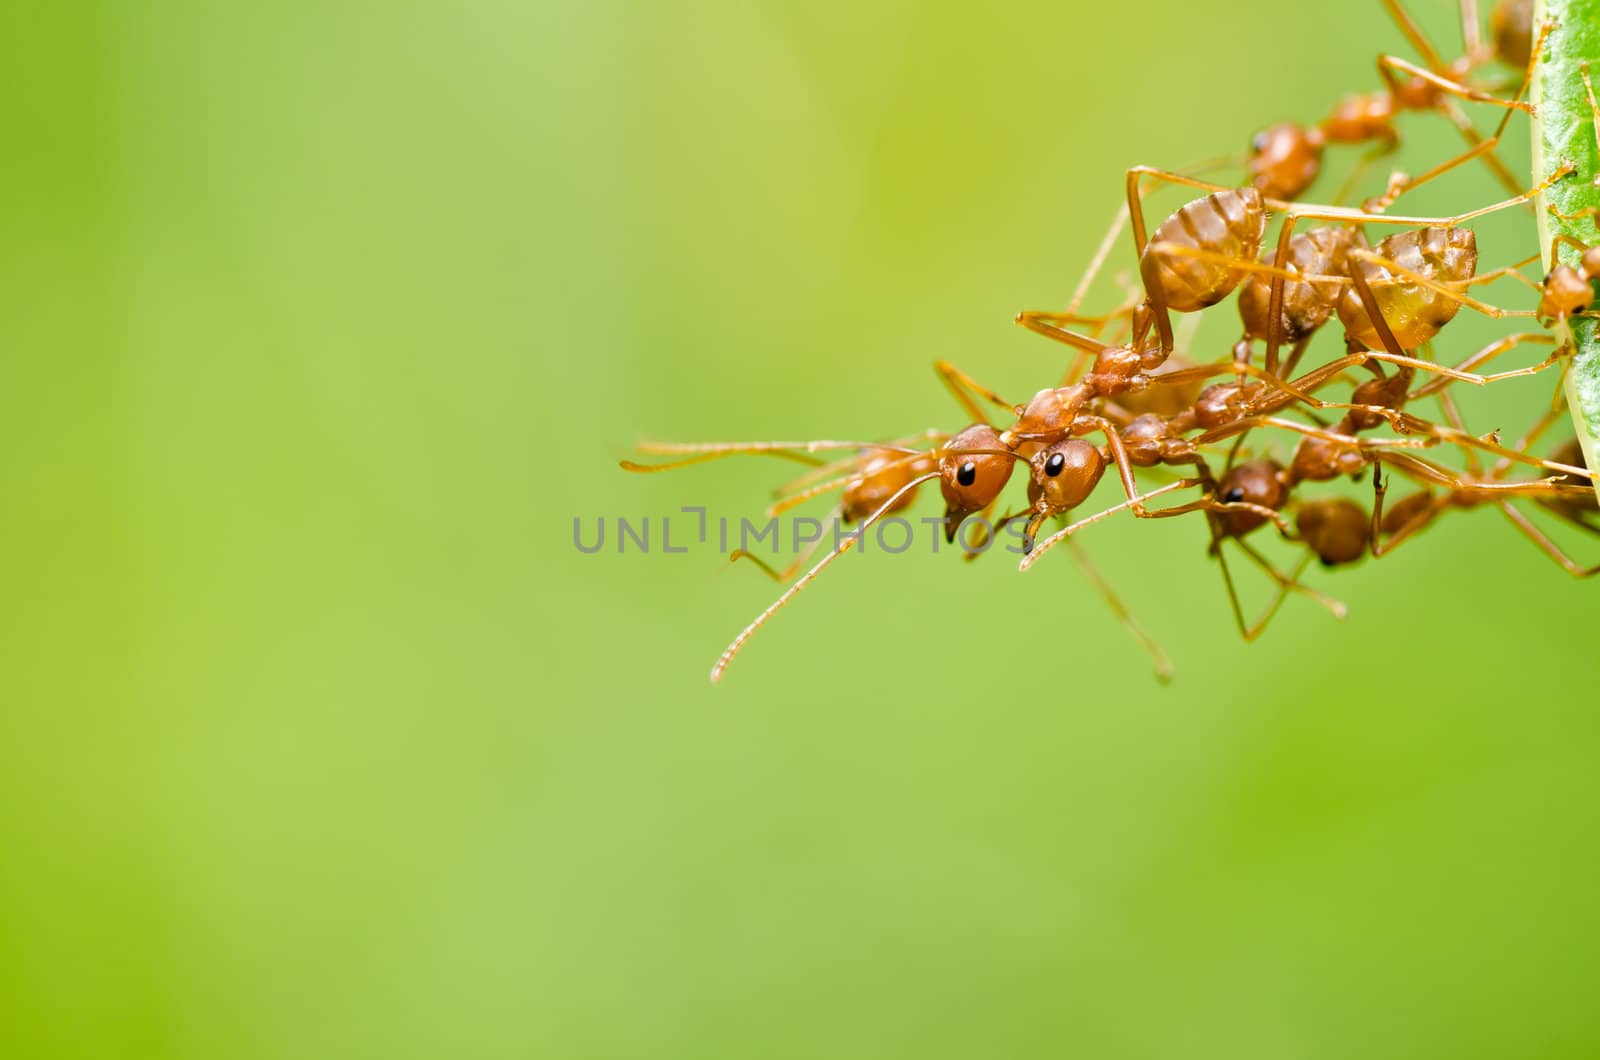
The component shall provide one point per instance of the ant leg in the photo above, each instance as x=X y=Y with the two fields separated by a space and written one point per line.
x=1352 y=180
x=1414 y=34
x=1452 y=416
x=1045 y=324
x=1096 y=263
x=1469 y=133
x=1333 y=607
x=1562 y=238
x=1345 y=441
x=1210 y=504
x=783 y=451
x=983 y=537
x=1293 y=360
x=1261 y=268
x=799 y=561
x=809 y=576
x=963 y=386
x=1476 y=144
x=1408 y=529
x=1429 y=473
x=1529 y=437
x=790 y=448
x=1086 y=424
x=1286 y=583
x=1061 y=535
x=1471 y=33
x=1163 y=665
x=1489 y=353
x=1509 y=272
x=1386 y=264
x=1280 y=261
x=1245 y=631
x=1547 y=546
x=1391 y=66
x=837 y=467
x=817 y=489
x=1119 y=456
x=1323 y=212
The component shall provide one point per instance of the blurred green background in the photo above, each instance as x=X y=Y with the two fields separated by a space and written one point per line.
x=321 y=739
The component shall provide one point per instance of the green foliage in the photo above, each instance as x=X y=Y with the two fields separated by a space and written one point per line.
x=1564 y=130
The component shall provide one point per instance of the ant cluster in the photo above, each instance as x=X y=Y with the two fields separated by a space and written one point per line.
x=1131 y=404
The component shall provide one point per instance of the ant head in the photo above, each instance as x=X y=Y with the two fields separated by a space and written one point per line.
x=972 y=472
x=1336 y=529
x=1064 y=475
x=883 y=474
x=1285 y=159
x=1565 y=292
x=1260 y=482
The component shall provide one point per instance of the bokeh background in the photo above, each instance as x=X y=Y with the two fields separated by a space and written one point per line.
x=321 y=739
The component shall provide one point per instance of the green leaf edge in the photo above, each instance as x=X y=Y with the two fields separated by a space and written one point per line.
x=1563 y=129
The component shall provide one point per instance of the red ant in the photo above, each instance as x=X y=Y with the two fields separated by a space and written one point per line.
x=1286 y=158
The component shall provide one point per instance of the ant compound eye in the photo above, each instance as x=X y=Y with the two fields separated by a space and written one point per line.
x=1054 y=465
x=967 y=473
x=1258 y=142
x=1234 y=496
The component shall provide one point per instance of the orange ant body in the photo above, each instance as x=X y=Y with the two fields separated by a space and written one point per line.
x=1285 y=159
x=1568 y=290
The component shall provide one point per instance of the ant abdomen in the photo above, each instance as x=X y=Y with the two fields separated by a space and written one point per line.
x=1306 y=304
x=1335 y=528
x=883 y=475
x=1224 y=224
x=1413 y=311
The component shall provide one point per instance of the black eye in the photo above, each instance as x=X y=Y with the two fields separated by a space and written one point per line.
x=967 y=473
x=1234 y=496
x=1054 y=465
x=1258 y=142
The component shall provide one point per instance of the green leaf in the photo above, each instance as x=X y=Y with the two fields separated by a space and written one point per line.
x=1564 y=129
